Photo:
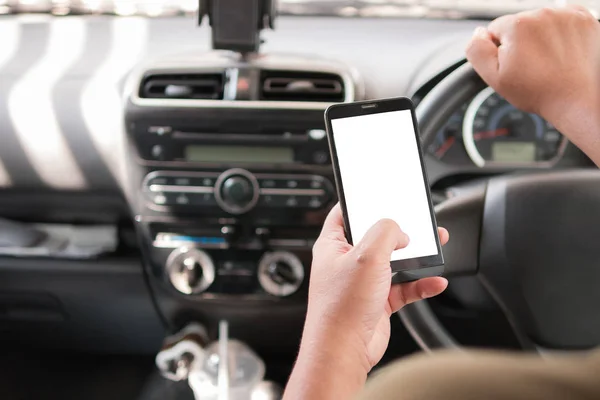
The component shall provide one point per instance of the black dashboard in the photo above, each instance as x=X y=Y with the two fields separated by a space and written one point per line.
x=213 y=169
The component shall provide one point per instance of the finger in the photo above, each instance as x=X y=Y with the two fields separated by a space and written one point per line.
x=444 y=235
x=579 y=8
x=482 y=53
x=380 y=241
x=583 y=12
x=406 y=293
x=333 y=227
x=501 y=29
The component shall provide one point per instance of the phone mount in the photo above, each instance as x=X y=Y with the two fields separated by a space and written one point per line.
x=236 y=24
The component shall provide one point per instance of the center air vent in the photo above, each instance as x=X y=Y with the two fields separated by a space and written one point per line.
x=183 y=86
x=301 y=86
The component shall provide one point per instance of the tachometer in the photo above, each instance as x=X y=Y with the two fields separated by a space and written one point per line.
x=497 y=133
x=447 y=144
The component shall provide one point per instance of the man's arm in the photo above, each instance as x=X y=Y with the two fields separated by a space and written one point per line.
x=547 y=62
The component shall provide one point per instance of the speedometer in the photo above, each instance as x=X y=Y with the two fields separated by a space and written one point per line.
x=497 y=133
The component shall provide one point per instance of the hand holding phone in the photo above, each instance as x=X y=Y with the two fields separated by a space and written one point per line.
x=379 y=172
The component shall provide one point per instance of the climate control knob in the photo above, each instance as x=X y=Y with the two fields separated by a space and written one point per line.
x=190 y=270
x=236 y=191
x=280 y=273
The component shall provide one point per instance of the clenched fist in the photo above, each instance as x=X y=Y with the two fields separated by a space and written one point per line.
x=546 y=62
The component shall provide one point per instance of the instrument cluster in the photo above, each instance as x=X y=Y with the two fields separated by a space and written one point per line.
x=488 y=131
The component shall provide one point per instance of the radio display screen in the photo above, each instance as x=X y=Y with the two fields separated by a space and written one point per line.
x=239 y=154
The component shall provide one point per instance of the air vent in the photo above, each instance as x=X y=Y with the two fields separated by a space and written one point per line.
x=301 y=86
x=183 y=86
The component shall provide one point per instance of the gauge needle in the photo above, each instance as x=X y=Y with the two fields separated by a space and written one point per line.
x=491 y=134
x=445 y=147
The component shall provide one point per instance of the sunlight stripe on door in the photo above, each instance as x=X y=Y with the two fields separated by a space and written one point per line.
x=102 y=102
x=10 y=32
x=32 y=112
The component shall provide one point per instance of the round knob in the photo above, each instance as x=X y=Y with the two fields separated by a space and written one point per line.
x=190 y=270
x=236 y=191
x=280 y=273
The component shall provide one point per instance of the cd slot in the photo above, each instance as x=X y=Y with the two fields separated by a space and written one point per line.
x=286 y=137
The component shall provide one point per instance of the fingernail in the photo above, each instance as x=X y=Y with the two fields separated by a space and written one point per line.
x=427 y=295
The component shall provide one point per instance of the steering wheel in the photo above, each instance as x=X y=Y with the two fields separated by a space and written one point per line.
x=532 y=240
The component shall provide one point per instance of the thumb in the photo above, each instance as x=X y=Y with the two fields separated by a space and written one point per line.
x=482 y=53
x=406 y=293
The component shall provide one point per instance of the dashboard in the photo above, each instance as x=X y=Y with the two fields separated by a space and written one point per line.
x=213 y=170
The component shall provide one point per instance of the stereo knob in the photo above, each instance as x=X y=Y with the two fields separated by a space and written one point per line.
x=280 y=273
x=236 y=191
x=190 y=270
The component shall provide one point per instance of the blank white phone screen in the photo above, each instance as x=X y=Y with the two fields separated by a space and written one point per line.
x=382 y=177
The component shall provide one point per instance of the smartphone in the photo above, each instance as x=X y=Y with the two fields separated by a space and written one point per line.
x=379 y=173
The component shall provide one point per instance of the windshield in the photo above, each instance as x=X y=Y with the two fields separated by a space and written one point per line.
x=342 y=8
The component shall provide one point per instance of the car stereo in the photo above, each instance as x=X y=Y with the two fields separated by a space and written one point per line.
x=229 y=169
x=261 y=145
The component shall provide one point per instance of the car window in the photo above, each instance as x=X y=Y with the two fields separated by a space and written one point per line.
x=458 y=9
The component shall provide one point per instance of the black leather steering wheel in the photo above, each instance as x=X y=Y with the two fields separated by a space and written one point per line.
x=533 y=241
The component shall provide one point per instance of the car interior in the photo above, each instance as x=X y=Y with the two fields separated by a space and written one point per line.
x=165 y=172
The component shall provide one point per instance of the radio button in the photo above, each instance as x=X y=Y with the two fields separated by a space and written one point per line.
x=311 y=183
x=315 y=202
x=273 y=200
x=316 y=184
x=320 y=157
x=182 y=199
x=182 y=182
x=267 y=183
x=312 y=202
x=159 y=180
x=202 y=199
x=158 y=152
x=291 y=201
x=160 y=199
x=267 y=200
